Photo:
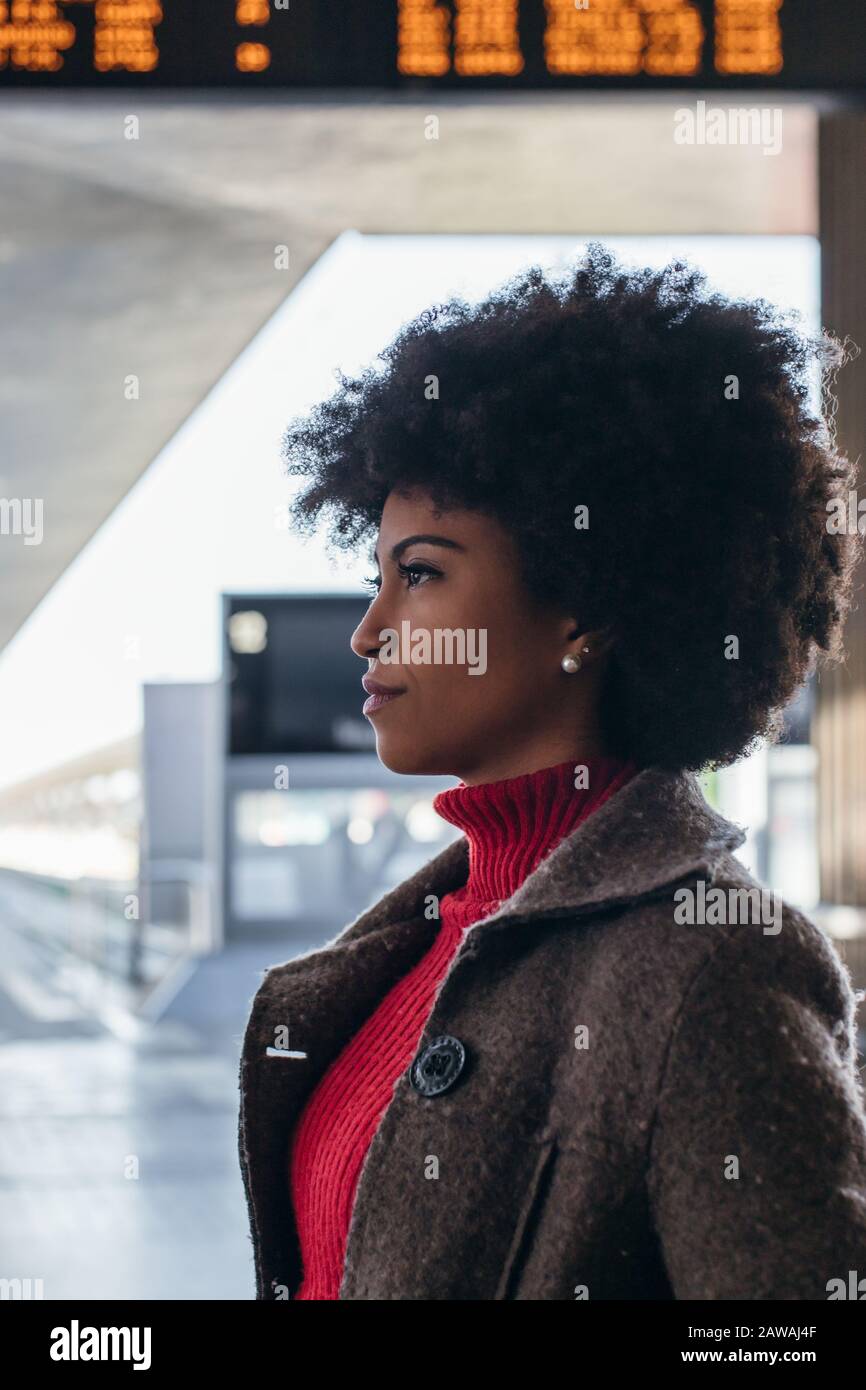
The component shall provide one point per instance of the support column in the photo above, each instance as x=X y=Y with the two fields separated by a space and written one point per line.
x=839 y=725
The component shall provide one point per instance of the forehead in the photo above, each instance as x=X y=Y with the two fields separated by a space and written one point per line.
x=411 y=506
x=413 y=512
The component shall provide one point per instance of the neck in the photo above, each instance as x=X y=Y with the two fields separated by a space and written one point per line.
x=510 y=763
x=511 y=823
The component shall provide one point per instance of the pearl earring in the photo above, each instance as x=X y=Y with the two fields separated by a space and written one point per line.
x=570 y=663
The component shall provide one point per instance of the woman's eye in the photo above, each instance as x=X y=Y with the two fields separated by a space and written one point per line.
x=413 y=574
x=405 y=571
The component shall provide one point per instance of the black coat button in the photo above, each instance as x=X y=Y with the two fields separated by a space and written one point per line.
x=438 y=1065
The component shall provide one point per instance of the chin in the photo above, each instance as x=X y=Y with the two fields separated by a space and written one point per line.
x=410 y=761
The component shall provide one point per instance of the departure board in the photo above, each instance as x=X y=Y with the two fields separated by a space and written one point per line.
x=425 y=44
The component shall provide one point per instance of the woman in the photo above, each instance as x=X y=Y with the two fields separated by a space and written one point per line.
x=581 y=1053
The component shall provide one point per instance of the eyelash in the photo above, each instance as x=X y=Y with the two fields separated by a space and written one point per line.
x=373 y=583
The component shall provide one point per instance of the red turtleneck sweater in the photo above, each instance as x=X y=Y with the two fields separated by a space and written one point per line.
x=510 y=826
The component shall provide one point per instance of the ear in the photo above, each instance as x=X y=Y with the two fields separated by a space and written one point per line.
x=599 y=640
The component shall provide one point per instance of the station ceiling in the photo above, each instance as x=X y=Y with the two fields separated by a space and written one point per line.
x=154 y=257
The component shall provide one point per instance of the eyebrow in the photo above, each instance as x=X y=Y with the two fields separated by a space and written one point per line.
x=428 y=539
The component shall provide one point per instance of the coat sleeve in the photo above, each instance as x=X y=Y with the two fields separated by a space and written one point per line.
x=757 y=1158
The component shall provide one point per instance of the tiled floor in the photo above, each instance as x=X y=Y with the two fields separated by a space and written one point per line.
x=119 y=1174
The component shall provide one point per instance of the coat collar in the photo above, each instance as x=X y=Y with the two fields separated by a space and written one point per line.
x=656 y=830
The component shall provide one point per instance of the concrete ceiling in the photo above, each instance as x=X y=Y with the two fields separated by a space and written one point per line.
x=155 y=257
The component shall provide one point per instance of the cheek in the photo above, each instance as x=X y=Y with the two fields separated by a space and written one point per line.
x=498 y=645
x=485 y=681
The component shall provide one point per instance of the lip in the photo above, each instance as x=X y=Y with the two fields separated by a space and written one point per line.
x=379 y=694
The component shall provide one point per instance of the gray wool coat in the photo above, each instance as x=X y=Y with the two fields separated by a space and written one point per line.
x=649 y=1109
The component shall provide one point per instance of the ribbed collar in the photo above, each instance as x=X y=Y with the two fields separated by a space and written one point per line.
x=510 y=825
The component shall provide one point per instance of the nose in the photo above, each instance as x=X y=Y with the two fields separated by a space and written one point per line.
x=365 y=639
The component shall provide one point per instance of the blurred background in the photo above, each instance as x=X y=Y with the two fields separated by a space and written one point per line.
x=207 y=209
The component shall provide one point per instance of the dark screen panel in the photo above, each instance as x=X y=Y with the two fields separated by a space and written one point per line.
x=294 y=683
x=252 y=44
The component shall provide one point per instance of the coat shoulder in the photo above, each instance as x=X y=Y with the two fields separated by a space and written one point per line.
x=728 y=933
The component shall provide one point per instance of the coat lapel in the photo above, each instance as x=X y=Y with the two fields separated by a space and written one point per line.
x=656 y=830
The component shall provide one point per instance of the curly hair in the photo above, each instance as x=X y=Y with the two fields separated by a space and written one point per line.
x=681 y=420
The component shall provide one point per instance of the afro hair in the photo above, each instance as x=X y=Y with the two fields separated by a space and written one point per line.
x=681 y=422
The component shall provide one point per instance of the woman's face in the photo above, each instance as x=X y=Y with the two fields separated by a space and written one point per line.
x=502 y=704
